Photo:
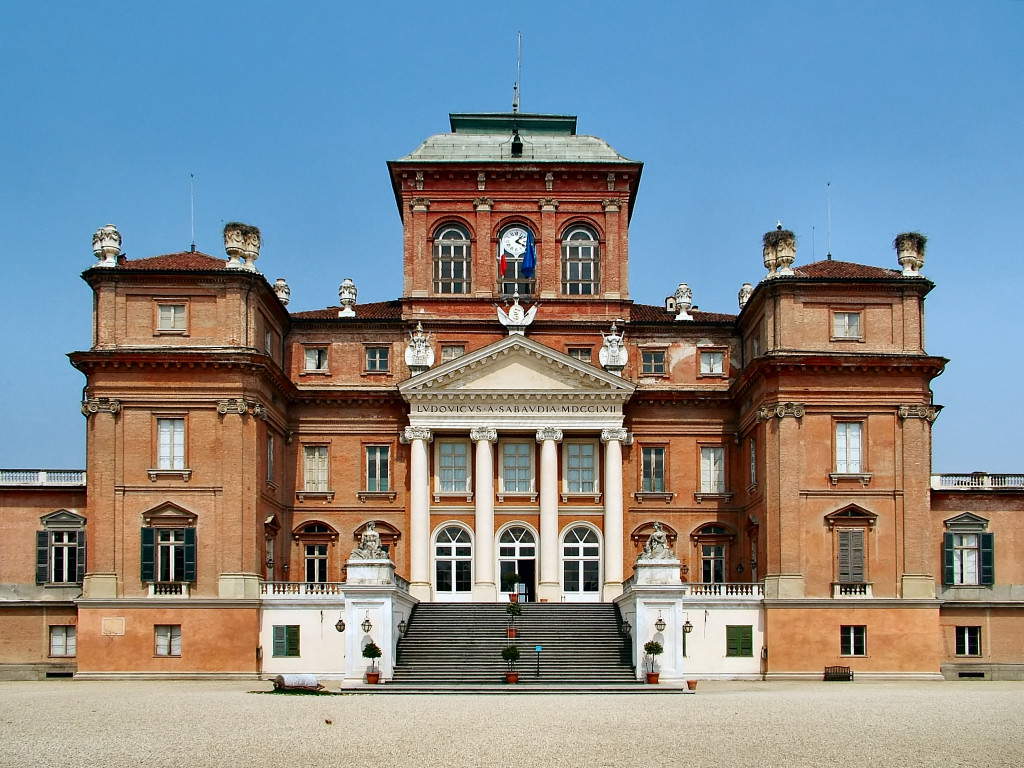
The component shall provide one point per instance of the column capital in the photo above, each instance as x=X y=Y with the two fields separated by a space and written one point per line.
x=621 y=434
x=549 y=433
x=419 y=204
x=781 y=410
x=416 y=433
x=483 y=204
x=101 y=405
x=611 y=205
x=918 y=411
x=548 y=204
x=488 y=434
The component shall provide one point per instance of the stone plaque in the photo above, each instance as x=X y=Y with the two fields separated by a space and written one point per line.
x=112 y=625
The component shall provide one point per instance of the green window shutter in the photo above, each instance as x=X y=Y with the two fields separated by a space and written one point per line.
x=80 y=564
x=292 y=640
x=190 y=554
x=42 y=557
x=947 y=558
x=988 y=560
x=746 y=641
x=148 y=554
x=279 y=641
x=739 y=640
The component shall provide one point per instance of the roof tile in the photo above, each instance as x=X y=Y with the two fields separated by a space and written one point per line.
x=188 y=261
x=844 y=270
x=652 y=313
x=380 y=310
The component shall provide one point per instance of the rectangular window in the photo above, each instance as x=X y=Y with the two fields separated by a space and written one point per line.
x=286 y=639
x=316 y=563
x=653 y=470
x=167 y=639
x=63 y=641
x=170 y=443
x=64 y=557
x=712 y=469
x=739 y=640
x=170 y=554
x=452 y=352
x=846 y=325
x=752 y=480
x=580 y=467
x=853 y=640
x=453 y=466
x=378 y=475
x=848 y=447
x=965 y=558
x=315 y=467
x=268 y=342
x=712 y=563
x=171 y=317
x=851 y=556
x=652 y=361
x=315 y=358
x=377 y=359
x=517 y=467
x=583 y=354
x=270 y=458
x=968 y=641
x=712 y=363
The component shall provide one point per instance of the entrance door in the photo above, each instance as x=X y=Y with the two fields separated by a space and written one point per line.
x=517 y=563
x=581 y=565
x=453 y=565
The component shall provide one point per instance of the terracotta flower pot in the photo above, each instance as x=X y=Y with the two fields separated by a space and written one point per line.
x=691 y=684
x=652 y=677
x=511 y=677
x=512 y=632
x=372 y=678
x=513 y=597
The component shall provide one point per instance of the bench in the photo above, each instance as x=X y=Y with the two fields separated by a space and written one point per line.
x=838 y=673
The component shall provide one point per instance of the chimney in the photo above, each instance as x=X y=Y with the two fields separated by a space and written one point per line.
x=106 y=246
x=910 y=252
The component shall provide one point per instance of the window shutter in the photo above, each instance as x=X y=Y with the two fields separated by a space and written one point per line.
x=988 y=561
x=292 y=636
x=947 y=558
x=42 y=557
x=746 y=641
x=148 y=554
x=190 y=554
x=80 y=563
x=731 y=645
x=857 y=556
x=279 y=640
x=844 y=556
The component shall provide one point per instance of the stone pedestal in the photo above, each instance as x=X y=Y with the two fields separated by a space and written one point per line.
x=100 y=586
x=784 y=586
x=662 y=572
x=371 y=593
x=239 y=586
x=377 y=572
x=917 y=587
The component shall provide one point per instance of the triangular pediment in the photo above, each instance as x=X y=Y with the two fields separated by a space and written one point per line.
x=966 y=521
x=62 y=518
x=516 y=364
x=169 y=513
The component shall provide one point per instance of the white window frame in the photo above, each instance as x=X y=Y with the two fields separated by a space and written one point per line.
x=453 y=558
x=320 y=361
x=709 y=484
x=581 y=558
x=644 y=364
x=169 y=548
x=172 y=321
x=316 y=468
x=63 y=640
x=170 y=440
x=376 y=348
x=580 y=256
x=372 y=458
x=503 y=488
x=270 y=457
x=719 y=553
x=439 y=489
x=654 y=465
x=845 y=330
x=68 y=541
x=708 y=370
x=966 y=558
x=451 y=352
x=576 y=354
x=596 y=468
x=848 y=639
x=969 y=641
x=167 y=640
x=849 y=458
x=316 y=552
x=449 y=253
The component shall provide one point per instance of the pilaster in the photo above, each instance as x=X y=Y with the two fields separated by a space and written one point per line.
x=548 y=258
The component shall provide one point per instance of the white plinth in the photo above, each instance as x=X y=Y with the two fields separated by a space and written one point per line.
x=660 y=573
x=381 y=571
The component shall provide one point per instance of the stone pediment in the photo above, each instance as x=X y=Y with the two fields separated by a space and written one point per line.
x=516 y=365
x=62 y=518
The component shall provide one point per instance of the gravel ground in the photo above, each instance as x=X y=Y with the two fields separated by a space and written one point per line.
x=155 y=724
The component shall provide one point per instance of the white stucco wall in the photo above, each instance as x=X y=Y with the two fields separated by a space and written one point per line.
x=705 y=645
x=321 y=646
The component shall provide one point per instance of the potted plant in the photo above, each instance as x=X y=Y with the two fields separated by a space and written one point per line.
x=372 y=652
x=691 y=685
x=514 y=610
x=510 y=654
x=652 y=649
x=508 y=584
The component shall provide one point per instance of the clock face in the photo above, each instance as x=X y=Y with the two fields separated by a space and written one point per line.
x=513 y=242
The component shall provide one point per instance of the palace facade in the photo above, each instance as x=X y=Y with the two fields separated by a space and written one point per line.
x=513 y=423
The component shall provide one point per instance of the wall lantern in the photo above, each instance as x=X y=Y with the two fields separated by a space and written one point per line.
x=687 y=627
x=340 y=625
x=660 y=623
x=739 y=568
x=626 y=628
x=367 y=625
x=401 y=627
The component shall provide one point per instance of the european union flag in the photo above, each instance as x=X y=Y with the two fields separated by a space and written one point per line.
x=530 y=257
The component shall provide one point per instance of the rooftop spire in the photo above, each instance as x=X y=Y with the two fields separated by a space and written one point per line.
x=519 y=66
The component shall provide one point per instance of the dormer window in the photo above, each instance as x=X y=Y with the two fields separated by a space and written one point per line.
x=452 y=260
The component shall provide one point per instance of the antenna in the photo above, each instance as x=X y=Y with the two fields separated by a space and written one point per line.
x=519 y=66
x=828 y=220
x=813 y=254
x=192 y=208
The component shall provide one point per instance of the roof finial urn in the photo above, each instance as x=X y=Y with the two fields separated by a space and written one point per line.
x=910 y=252
x=684 y=300
x=106 y=245
x=284 y=293
x=347 y=298
x=744 y=295
x=242 y=245
x=779 y=251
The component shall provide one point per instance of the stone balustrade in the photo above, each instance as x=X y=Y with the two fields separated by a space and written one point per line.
x=42 y=477
x=976 y=480
x=302 y=589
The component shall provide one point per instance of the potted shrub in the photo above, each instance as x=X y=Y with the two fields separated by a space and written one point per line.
x=372 y=652
x=508 y=584
x=652 y=649
x=514 y=610
x=510 y=654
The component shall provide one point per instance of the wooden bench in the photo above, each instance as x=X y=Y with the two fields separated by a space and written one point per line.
x=838 y=673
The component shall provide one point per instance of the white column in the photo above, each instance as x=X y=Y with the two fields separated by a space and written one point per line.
x=613 y=440
x=484 y=588
x=550 y=587
x=419 y=511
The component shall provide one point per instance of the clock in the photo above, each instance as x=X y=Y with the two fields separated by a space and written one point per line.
x=513 y=242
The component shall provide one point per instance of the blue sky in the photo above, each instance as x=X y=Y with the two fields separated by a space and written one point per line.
x=287 y=112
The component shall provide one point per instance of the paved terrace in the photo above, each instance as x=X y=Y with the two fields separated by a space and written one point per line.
x=156 y=724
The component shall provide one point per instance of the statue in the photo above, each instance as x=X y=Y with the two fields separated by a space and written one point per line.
x=657 y=546
x=369 y=545
x=684 y=300
x=419 y=355
x=517 y=318
x=744 y=295
x=613 y=355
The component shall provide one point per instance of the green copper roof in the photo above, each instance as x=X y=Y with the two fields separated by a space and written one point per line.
x=504 y=122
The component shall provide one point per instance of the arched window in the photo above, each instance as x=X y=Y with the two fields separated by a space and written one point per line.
x=514 y=242
x=453 y=560
x=316 y=538
x=517 y=557
x=451 y=260
x=581 y=560
x=713 y=547
x=579 y=262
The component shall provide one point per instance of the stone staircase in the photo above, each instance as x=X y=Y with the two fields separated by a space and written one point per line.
x=460 y=643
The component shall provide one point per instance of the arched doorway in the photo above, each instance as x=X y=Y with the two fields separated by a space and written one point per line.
x=581 y=565
x=453 y=564
x=517 y=563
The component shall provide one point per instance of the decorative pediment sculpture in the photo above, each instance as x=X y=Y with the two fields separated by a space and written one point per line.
x=517 y=318
x=613 y=355
x=369 y=545
x=419 y=355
